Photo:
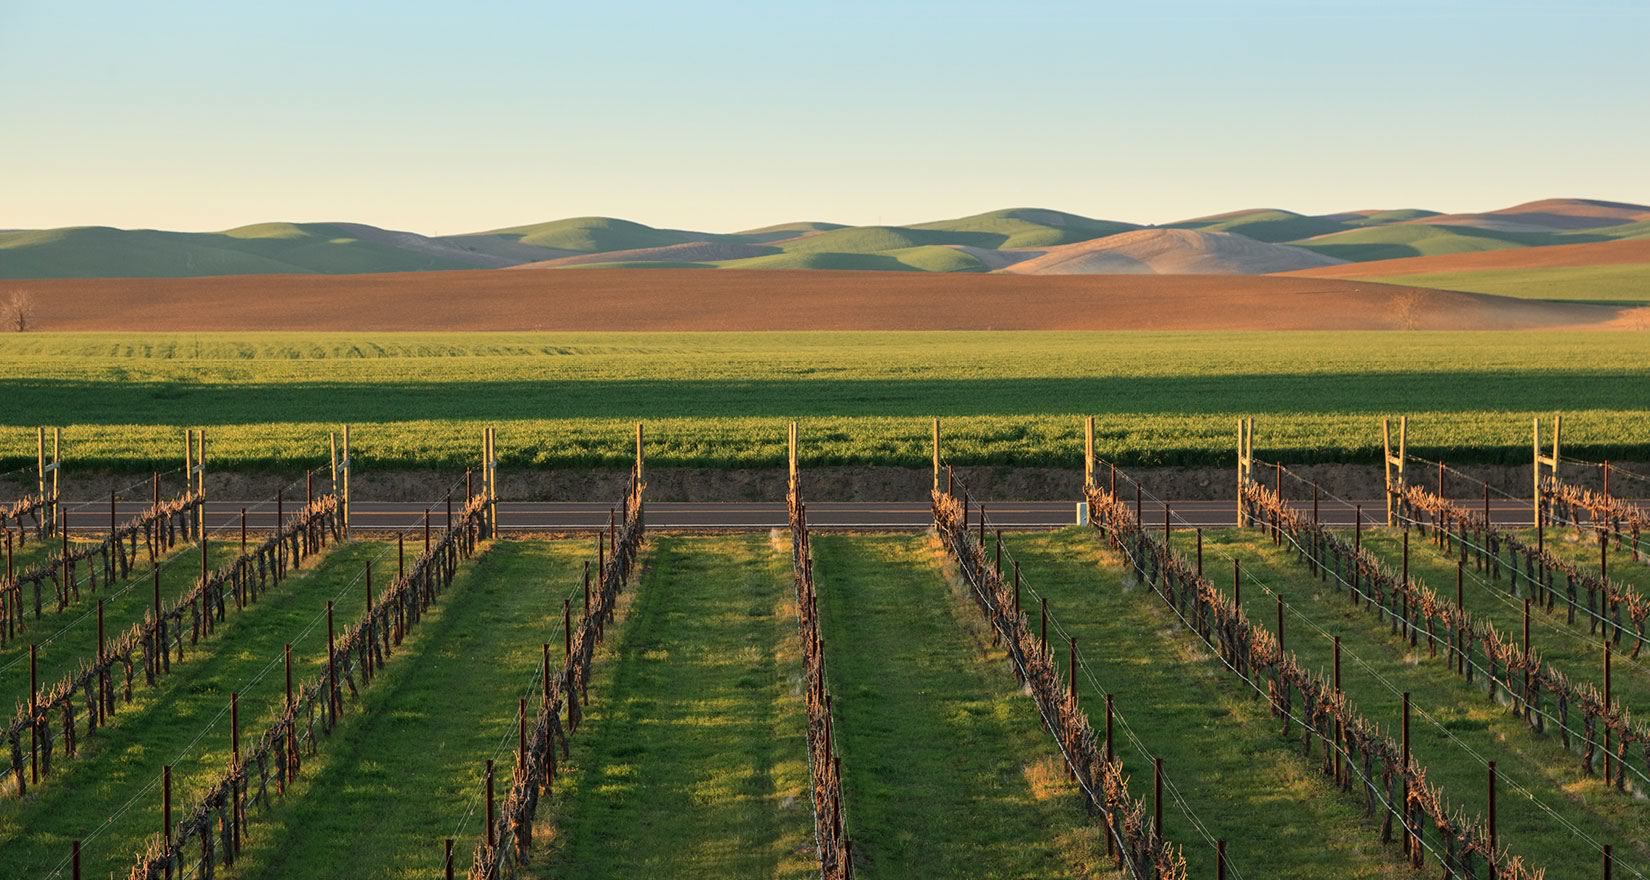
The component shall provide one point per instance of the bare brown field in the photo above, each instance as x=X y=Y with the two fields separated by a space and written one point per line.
x=1602 y=253
x=686 y=300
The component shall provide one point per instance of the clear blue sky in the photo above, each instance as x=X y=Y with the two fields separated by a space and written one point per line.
x=456 y=116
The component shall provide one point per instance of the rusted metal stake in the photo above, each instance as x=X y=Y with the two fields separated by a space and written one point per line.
x=1280 y=625
x=166 y=803
x=34 y=711
x=1157 y=799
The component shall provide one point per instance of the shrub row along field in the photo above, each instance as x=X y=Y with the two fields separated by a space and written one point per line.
x=721 y=400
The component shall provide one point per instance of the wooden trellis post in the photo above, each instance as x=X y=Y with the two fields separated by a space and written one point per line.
x=49 y=475
x=489 y=476
x=1246 y=462
x=195 y=473
x=1088 y=452
x=936 y=455
x=340 y=476
x=790 y=455
x=1394 y=464
x=1548 y=461
x=641 y=457
x=1088 y=470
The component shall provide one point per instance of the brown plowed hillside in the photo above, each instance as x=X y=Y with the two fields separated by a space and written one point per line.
x=1602 y=253
x=689 y=299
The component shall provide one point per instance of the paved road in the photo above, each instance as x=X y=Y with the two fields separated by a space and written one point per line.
x=567 y=516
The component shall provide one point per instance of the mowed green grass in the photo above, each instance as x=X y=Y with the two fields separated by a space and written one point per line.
x=1627 y=283
x=1454 y=727
x=722 y=400
x=1574 y=649
x=109 y=796
x=692 y=761
x=66 y=641
x=948 y=771
x=1220 y=746
x=411 y=754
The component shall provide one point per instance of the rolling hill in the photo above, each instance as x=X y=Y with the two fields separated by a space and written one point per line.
x=1400 y=240
x=686 y=252
x=264 y=249
x=588 y=235
x=1550 y=215
x=1027 y=238
x=1609 y=272
x=1380 y=217
x=1268 y=225
x=1025 y=228
x=1170 y=252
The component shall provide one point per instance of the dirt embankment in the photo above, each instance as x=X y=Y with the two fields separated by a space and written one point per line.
x=686 y=300
x=1353 y=482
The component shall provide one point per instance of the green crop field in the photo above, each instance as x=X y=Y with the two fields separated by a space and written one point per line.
x=568 y=400
x=1617 y=284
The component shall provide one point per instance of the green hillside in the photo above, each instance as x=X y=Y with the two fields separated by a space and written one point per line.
x=1382 y=218
x=1408 y=240
x=920 y=258
x=1627 y=283
x=782 y=231
x=593 y=235
x=641 y=264
x=1267 y=225
x=1641 y=229
x=879 y=239
x=1427 y=239
x=1025 y=228
x=347 y=248
x=271 y=248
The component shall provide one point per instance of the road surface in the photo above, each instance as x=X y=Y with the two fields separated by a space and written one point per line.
x=545 y=516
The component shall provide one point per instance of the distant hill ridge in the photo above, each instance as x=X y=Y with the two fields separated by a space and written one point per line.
x=1018 y=240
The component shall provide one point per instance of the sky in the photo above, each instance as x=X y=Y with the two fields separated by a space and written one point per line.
x=455 y=117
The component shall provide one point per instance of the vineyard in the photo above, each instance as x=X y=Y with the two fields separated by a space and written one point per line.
x=1448 y=681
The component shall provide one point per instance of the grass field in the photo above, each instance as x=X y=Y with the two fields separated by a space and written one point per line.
x=1454 y=728
x=1573 y=649
x=67 y=640
x=692 y=763
x=693 y=760
x=427 y=726
x=568 y=400
x=947 y=770
x=1219 y=746
x=109 y=795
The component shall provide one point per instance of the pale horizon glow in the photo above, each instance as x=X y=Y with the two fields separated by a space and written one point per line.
x=721 y=116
